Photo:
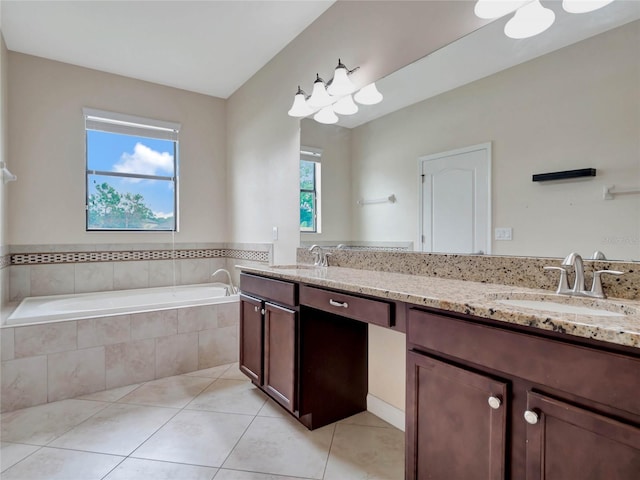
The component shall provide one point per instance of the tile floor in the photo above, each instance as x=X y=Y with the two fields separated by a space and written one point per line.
x=210 y=424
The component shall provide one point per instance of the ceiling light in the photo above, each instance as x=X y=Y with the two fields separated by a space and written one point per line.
x=341 y=85
x=326 y=115
x=345 y=106
x=369 y=95
x=300 y=108
x=319 y=97
x=584 y=6
x=497 y=8
x=529 y=20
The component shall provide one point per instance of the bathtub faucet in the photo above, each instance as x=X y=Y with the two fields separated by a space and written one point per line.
x=231 y=289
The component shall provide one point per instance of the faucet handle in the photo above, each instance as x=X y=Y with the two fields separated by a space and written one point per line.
x=596 y=286
x=563 y=284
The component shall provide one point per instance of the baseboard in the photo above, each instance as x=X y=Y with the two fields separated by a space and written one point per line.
x=385 y=411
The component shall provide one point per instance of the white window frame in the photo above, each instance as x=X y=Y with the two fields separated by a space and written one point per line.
x=120 y=123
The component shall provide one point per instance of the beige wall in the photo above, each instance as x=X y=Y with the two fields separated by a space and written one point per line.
x=47 y=152
x=578 y=107
x=263 y=142
x=335 y=195
x=4 y=273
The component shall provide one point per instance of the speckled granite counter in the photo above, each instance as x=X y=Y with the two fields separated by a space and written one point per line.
x=474 y=298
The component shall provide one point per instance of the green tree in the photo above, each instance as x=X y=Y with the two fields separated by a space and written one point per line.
x=109 y=208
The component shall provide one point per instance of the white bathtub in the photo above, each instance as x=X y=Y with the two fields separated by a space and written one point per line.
x=50 y=308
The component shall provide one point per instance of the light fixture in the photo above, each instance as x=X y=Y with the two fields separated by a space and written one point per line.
x=326 y=115
x=333 y=97
x=369 y=95
x=341 y=85
x=497 y=8
x=529 y=20
x=319 y=97
x=345 y=106
x=584 y=6
x=300 y=108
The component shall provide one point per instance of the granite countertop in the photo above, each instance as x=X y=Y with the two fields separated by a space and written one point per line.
x=474 y=298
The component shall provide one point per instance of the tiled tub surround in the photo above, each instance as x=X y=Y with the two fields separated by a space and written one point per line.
x=60 y=360
x=472 y=298
x=525 y=272
x=36 y=270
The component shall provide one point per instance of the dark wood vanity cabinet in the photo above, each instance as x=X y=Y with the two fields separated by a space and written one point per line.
x=312 y=362
x=487 y=402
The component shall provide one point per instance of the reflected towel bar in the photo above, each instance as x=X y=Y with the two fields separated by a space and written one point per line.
x=390 y=199
x=609 y=191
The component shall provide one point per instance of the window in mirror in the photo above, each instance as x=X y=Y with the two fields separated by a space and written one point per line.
x=310 y=190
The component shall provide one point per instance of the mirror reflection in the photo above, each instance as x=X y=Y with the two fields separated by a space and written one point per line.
x=567 y=99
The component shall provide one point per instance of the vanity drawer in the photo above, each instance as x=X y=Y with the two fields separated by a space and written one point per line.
x=345 y=305
x=604 y=377
x=277 y=291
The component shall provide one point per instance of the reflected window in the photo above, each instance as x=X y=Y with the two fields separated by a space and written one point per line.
x=131 y=174
x=310 y=190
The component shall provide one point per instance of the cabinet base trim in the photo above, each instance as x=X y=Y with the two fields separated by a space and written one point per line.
x=386 y=411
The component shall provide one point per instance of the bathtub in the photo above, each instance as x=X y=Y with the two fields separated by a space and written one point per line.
x=34 y=310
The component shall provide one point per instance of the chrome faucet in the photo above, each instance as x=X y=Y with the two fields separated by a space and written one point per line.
x=575 y=260
x=231 y=289
x=319 y=256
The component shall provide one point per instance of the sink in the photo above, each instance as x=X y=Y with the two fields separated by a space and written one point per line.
x=565 y=304
x=295 y=267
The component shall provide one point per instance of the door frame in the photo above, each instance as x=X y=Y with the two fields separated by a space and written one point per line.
x=481 y=146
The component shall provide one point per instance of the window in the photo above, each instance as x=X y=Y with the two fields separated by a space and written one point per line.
x=310 y=190
x=132 y=172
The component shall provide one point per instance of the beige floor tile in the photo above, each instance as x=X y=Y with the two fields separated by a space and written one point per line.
x=360 y=452
x=213 y=372
x=197 y=438
x=42 y=424
x=230 y=396
x=12 y=453
x=56 y=464
x=111 y=395
x=234 y=373
x=366 y=419
x=117 y=430
x=282 y=446
x=272 y=409
x=174 y=392
x=240 y=475
x=137 y=469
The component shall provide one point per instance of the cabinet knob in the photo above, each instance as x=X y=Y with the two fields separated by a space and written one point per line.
x=531 y=417
x=494 y=402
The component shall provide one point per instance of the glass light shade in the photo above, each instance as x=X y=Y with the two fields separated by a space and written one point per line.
x=300 y=108
x=341 y=85
x=326 y=115
x=319 y=97
x=368 y=95
x=496 y=8
x=529 y=20
x=584 y=6
x=345 y=106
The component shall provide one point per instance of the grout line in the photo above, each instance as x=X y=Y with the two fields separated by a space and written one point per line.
x=326 y=463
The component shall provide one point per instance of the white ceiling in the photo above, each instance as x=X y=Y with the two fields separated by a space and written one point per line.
x=206 y=46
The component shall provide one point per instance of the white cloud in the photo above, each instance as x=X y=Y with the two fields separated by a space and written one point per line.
x=145 y=161
x=162 y=214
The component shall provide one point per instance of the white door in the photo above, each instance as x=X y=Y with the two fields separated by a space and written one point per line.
x=455 y=201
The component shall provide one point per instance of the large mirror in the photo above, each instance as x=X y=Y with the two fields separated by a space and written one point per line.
x=566 y=99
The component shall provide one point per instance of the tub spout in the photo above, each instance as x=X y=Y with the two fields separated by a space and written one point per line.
x=232 y=289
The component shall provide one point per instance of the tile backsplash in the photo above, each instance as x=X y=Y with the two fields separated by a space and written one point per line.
x=36 y=270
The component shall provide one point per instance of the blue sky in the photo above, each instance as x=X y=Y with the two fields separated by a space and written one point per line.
x=125 y=153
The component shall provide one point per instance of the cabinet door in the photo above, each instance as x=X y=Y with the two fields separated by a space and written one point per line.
x=453 y=431
x=567 y=442
x=280 y=354
x=251 y=337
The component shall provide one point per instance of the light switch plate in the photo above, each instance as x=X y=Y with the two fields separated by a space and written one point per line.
x=504 y=233
x=275 y=233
